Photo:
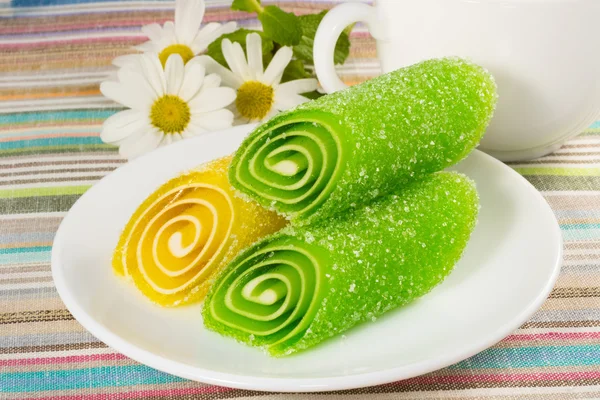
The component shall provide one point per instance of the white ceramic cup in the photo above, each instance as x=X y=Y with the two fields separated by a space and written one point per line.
x=544 y=54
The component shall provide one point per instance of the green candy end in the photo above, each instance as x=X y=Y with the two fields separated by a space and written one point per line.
x=348 y=148
x=303 y=285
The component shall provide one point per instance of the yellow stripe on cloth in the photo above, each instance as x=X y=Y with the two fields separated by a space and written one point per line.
x=558 y=171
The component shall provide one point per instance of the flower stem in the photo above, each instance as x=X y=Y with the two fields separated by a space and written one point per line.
x=255 y=6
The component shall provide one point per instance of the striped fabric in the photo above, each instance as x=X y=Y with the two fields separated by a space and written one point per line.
x=53 y=54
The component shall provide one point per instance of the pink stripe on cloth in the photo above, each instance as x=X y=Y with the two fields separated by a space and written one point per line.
x=221 y=16
x=62 y=360
x=110 y=39
x=527 y=377
x=43 y=28
x=554 y=335
x=141 y=394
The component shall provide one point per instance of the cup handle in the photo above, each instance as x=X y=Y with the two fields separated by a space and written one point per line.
x=330 y=29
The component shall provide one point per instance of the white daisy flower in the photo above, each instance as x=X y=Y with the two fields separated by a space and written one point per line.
x=184 y=37
x=260 y=95
x=165 y=105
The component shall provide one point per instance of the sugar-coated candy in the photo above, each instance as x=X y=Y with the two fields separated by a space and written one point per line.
x=347 y=148
x=303 y=285
x=186 y=231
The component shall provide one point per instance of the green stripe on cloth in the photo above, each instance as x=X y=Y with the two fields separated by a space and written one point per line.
x=41 y=204
x=53 y=116
x=33 y=249
x=57 y=149
x=57 y=141
x=43 y=191
x=558 y=171
x=23 y=258
x=565 y=182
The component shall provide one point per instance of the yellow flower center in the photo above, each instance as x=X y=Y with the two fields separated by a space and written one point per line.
x=170 y=114
x=184 y=51
x=254 y=100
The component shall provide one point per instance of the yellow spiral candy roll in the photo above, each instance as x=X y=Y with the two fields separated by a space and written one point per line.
x=186 y=231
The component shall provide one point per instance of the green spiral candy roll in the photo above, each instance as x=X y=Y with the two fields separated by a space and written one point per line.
x=305 y=284
x=349 y=147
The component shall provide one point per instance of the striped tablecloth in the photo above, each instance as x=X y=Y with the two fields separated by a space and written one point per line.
x=53 y=54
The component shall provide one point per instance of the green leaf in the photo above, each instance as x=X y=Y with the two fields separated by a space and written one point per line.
x=283 y=28
x=247 y=5
x=295 y=70
x=313 y=95
x=214 y=49
x=304 y=50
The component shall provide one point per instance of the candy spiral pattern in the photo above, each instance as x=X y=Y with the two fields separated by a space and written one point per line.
x=185 y=232
x=300 y=286
x=272 y=292
x=293 y=165
x=345 y=149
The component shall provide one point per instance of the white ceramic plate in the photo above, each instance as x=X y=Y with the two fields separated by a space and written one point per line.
x=508 y=270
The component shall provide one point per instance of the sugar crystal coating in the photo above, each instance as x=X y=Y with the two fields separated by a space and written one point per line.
x=306 y=284
x=347 y=148
x=185 y=232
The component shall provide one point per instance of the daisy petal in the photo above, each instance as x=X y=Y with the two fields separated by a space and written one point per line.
x=255 y=56
x=134 y=136
x=112 y=76
x=234 y=55
x=188 y=17
x=241 y=61
x=166 y=140
x=209 y=33
x=127 y=59
x=137 y=81
x=147 y=46
x=277 y=66
x=238 y=119
x=145 y=143
x=201 y=42
x=213 y=120
x=153 y=31
x=192 y=130
x=174 y=73
x=123 y=124
x=155 y=73
x=170 y=139
x=212 y=99
x=126 y=94
x=168 y=36
x=211 y=81
x=288 y=101
x=150 y=68
x=298 y=86
x=241 y=121
x=228 y=27
x=274 y=111
x=229 y=78
x=194 y=61
x=193 y=80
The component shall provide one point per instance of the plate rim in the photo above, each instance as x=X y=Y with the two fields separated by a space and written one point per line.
x=284 y=384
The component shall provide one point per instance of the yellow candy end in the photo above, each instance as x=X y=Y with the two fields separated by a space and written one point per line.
x=185 y=232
